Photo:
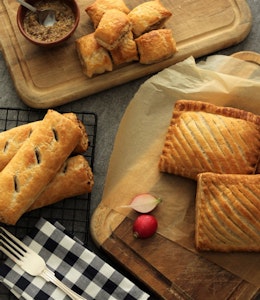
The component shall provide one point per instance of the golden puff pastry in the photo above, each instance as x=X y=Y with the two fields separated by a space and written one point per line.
x=148 y=16
x=112 y=28
x=156 y=46
x=74 y=178
x=203 y=137
x=126 y=51
x=99 y=7
x=12 y=139
x=227 y=212
x=35 y=164
x=93 y=57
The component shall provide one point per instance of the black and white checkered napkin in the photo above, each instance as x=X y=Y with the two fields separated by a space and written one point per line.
x=77 y=267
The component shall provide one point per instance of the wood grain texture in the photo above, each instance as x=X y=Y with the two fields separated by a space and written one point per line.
x=173 y=270
x=48 y=78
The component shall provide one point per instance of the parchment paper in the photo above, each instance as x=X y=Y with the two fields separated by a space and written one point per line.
x=133 y=167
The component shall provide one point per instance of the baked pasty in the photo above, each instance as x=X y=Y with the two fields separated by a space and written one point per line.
x=227 y=212
x=126 y=51
x=35 y=164
x=113 y=26
x=99 y=7
x=93 y=57
x=203 y=137
x=155 y=46
x=148 y=16
x=74 y=178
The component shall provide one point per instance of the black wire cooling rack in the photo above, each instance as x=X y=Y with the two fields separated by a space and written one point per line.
x=74 y=213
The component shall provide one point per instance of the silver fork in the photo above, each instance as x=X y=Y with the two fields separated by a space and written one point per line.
x=30 y=261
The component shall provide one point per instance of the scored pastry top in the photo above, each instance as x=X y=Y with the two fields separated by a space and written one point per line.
x=203 y=137
x=227 y=212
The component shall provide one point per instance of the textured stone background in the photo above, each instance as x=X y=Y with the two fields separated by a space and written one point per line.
x=110 y=105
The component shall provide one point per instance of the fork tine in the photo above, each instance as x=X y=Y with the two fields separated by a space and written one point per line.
x=15 y=240
x=8 y=252
x=11 y=246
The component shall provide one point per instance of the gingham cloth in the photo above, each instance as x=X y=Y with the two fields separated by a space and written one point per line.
x=77 y=267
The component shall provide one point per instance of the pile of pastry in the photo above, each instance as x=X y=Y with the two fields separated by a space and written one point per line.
x=219 y=147
x=41 y=163
x=121 y=36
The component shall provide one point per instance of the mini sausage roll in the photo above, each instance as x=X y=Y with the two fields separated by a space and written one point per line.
x=99 y=7
x=113 y=26
x=155 y=46
x=126 y=51
x=148 y=16
x=93 y=57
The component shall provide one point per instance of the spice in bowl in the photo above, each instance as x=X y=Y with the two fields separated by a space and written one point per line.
x=65 y=21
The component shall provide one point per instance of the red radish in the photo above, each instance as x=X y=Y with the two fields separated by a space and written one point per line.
x=144 y=203
x=145 y=226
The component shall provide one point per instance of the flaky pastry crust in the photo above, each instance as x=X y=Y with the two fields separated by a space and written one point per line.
x=147 y=16
x=35 y=164
x=99 y=7
x=156 y=46
x=113 y=26
x=203 y=137
x=74 y=178
x=94 y=58
x=227 y=212
x=126 y=51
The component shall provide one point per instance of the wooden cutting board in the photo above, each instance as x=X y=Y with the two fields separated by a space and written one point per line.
x=47 y=78
x=171 y=267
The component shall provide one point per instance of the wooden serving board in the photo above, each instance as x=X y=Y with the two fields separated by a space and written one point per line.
x=47 y=78
x=167 y=262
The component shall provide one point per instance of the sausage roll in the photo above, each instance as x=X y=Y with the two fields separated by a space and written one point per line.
x=11 y=140
x=126 y=51
x=156 y=46
x=113 y=26
x=99 y=7
x=93 y=57
x=35 y=164
x=148 y=16
x=74 y=178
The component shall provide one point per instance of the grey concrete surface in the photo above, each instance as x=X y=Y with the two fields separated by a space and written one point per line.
x=110 y=105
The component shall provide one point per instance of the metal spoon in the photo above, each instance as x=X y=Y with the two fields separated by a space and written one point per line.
x=46 y=17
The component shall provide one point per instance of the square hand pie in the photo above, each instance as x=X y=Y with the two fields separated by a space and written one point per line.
x=148 y=16
x=113 y=26
x=165 y=46
x=96 y=10
x=227 y=212
x=126 y=51
x=203 y=137
x=94 y=58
